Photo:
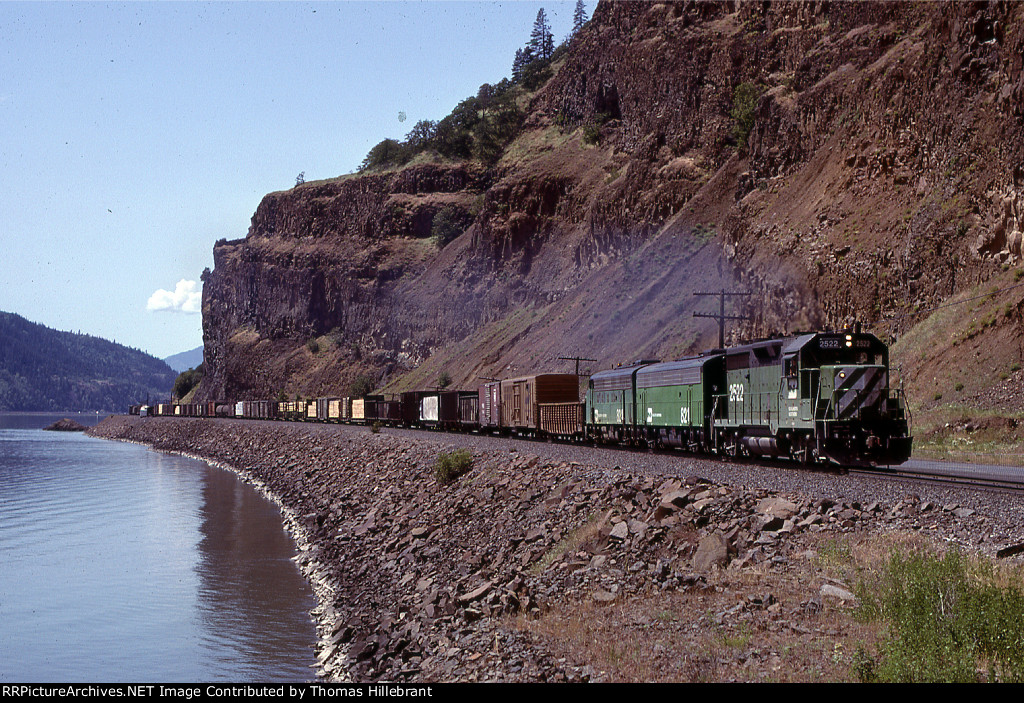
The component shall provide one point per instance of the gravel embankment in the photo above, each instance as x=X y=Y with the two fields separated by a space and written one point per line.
x=482 y=579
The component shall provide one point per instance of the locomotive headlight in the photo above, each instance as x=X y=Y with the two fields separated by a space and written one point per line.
x=849 y=340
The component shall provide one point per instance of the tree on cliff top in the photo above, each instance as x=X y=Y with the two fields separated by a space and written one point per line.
x=579 y=18
x=388 y=152
x=542 y=44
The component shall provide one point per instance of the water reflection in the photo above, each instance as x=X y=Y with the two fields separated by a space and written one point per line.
x=123 y=564
x=249 y=586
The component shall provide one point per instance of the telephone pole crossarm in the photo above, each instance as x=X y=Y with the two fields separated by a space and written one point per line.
x=721 y=316
x=577 y=359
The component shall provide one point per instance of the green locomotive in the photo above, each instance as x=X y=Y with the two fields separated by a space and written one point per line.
x=814 y=397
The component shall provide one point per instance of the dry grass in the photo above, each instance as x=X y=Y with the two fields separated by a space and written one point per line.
x=721 y=632
x=570 y=543
x=759 y=624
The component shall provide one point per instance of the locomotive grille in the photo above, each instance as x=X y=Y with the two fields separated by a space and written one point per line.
x=861 y=388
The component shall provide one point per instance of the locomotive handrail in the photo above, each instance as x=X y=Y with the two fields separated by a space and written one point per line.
x=743 y=414
x=901 y=398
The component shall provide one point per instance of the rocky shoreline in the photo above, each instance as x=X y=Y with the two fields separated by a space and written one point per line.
x=537 y=567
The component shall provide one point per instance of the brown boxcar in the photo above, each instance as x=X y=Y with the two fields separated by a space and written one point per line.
x=469 y=409
x=411 y=407
x=489 y=416
x=374 y=408
x=520 y=397
x=392 y=412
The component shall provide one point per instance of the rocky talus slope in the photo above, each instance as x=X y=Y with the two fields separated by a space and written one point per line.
x=551 y=562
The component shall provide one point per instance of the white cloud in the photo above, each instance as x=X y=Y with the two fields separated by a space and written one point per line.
x=185 y=298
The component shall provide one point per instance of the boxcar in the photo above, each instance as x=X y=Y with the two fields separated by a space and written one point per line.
x=411 y=407
x=489 y=415
x=439 y=409
x=521 y=398
x=469 y=409
x=373 y=408
x=391 y=411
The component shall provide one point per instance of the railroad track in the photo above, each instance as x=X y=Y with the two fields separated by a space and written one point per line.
x=1004 y=478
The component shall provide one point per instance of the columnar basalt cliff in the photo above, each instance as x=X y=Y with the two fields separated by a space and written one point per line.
x=881 y=176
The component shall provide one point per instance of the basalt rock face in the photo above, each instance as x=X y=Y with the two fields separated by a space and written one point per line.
x=322 y=261
x=883 y=173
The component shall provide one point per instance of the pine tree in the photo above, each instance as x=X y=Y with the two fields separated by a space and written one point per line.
x=541 y=42
x=517 y=66
x=579 y=18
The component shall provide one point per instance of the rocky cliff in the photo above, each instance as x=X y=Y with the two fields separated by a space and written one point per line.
x=877 y=175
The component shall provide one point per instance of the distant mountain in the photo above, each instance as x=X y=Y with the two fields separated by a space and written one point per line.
x=45 y=369
x=185 y=360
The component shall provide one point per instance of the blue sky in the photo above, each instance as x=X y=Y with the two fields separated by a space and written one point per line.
x=135 y=135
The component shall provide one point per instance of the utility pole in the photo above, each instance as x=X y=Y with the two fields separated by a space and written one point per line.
x=721 y=316
x=577 y=359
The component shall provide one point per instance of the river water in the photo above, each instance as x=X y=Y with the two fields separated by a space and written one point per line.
x=120 y=564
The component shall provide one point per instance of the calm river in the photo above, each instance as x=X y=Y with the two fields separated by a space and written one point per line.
x=122 y=564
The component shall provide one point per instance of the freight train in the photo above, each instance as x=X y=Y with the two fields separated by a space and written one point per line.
x=820 y=397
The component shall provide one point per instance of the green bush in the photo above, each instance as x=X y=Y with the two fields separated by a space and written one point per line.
x=447 y=225
x=536 y=74
x=592 y=130
x=451 y=465
x=387 y=154
x=362 y=385
x=444 y=380
x=744 y=105
x=948 y=620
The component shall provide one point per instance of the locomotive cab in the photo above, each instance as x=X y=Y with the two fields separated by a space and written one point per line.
x=844 y=389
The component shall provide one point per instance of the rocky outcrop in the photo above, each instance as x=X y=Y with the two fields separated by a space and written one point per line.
x=881 y=175
x=325 y=260
x=66 y=425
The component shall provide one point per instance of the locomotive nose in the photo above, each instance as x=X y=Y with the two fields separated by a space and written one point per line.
x=859 y=388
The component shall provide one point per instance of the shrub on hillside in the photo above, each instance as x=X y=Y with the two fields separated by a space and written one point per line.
x=451 y=465
x=948 y=619
x=447 y=225
x=744 y=105
x=362 y=385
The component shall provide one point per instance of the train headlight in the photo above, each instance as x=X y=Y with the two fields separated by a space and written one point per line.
x=849 y=340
